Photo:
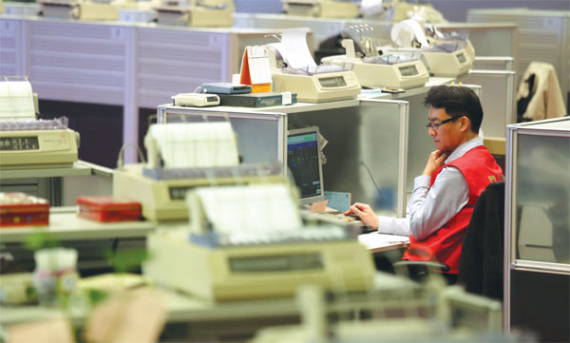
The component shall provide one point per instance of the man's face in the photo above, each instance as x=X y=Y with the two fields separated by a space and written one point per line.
x=447 y=136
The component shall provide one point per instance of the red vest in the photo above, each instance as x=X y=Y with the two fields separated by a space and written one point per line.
x=479 y=169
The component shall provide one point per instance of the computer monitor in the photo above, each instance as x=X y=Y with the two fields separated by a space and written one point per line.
x=304 y=163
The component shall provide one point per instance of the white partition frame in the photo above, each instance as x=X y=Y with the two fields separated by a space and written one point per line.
x=558 y=127
x=246 y=142
x=497 y=98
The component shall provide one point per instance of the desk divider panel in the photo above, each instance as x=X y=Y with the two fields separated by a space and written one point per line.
x=497 y=98
x=384 y=152
x=537 y=229
x=77 y=61
x=12 y=43
x=166 y=64
x=370 y=136
x=262 y=136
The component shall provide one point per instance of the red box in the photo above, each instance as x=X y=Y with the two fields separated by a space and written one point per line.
x=107 y=209
x=21 y=209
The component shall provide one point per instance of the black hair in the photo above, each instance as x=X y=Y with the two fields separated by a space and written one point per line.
x=457 y=101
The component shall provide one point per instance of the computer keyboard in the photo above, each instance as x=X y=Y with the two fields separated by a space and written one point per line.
x=351 y=219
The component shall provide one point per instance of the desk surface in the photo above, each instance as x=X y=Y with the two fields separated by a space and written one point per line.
x=68 y=226
x=378 y=242
x=77 y=169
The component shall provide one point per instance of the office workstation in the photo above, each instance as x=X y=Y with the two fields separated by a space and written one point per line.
x=248 y=163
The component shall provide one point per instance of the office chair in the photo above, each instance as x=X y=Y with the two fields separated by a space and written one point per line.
x=481 y=261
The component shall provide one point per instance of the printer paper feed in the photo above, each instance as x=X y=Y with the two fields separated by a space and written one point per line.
x=16 y=101
x=404 y=33
x=294 y=49
x=248 y=214
x=195 y=145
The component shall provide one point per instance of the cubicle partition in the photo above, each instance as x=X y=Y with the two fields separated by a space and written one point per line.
x=496 y=38
x=127 y=65
x=384 y=130
x=366 y=150
x=498 y=100
x=261 y=136
x=419 y=142
x=537 y=229
x=542 y=36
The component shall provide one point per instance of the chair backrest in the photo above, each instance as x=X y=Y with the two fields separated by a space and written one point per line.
x=481 y=261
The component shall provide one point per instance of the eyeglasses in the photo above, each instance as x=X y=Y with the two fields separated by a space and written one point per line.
x=434 y=126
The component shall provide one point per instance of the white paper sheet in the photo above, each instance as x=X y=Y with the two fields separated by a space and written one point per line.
x=194 y=145
x=294 y=48
x=247 y=214
x=16 y=101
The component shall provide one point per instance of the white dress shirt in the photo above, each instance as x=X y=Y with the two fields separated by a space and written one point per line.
x=430 y=208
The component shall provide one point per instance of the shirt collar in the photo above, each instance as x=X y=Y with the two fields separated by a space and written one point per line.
x=463 y=148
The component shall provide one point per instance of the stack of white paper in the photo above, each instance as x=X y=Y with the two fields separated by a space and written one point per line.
x=16 y=101
x=195 y=145
x=246 y=214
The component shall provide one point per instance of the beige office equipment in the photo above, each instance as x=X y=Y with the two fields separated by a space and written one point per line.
x=396 y=70
x=448 y=63
x=336 y=85
x=448 y=55
x=256 y=247
x=321 y=8
x=161 y=192
x=32 y=147
x=83 y=9
x=196 y=13
x=311 y=82
x=192 y=155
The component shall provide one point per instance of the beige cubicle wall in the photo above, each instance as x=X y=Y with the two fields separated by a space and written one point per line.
x=542 y=36
x=130 y=65
x=497 y=96
x=496 y=38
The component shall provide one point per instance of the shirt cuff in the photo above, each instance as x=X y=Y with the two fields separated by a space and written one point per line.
x=385 y=224
x=422 y=181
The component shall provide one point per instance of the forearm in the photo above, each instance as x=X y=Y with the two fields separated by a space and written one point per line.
x=394 y=226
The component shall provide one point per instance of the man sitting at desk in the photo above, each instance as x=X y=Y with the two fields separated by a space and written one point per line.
x=454 y=176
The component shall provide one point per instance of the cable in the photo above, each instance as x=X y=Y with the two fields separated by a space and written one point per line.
x=372 y=178
x=120 y=159
x=380 y=193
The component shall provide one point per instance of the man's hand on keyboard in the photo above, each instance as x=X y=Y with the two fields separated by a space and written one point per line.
x=365 y=213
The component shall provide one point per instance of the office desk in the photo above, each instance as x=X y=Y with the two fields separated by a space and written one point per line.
x=68 y=227
x=49 y=183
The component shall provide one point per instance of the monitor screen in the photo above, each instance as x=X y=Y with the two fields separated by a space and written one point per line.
x=304 y=163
